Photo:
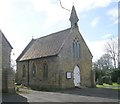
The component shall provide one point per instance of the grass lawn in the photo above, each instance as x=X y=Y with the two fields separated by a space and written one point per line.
x=113 y=86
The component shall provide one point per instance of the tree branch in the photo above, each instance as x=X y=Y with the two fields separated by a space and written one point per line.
x=63 y=7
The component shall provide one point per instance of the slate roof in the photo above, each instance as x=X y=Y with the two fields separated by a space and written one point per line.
x=49 y=45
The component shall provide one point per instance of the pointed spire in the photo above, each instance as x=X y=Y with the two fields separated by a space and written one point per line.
x=73 y=17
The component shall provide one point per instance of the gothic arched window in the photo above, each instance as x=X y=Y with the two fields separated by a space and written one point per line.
x=23 y=71
x=76 y=49
x=34 y=70
x=45 y=70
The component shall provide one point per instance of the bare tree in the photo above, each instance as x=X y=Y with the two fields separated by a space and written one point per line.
x=112 y=49
x=104 y=63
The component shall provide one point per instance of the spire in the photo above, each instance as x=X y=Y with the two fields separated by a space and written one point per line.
x=73 y=17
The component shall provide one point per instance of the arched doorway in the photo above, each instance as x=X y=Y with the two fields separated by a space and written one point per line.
x=76 y=76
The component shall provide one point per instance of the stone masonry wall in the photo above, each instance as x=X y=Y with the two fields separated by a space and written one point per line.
x=58 y=66
x=6 y=53
x=39 y=82
x=0 y=68
x=68 y=62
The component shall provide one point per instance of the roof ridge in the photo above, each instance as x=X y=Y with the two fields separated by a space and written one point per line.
x=53 y=33
x=48 y=45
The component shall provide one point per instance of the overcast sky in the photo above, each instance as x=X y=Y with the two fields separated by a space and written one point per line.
x=20 y=20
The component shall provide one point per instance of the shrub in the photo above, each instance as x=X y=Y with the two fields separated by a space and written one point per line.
x=107 y=79
x=17 y=88
x=115 y=75
x=100 y=81
x=118 y=80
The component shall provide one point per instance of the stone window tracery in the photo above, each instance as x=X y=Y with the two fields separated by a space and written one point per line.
x=76 y=48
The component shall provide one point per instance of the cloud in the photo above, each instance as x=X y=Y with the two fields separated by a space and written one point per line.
x=5 y=12
x=55 y=13
x=113 y=13
x=41 y=6
x=52 y=8
x=95 y=21
x=106 y=36
x=101 y=3
x=97 y=48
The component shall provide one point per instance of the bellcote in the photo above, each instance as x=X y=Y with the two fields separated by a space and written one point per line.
x=73 y=17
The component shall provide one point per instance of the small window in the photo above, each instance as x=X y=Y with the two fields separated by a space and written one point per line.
x=34 y=70
x=45 y=70
x=23 y=71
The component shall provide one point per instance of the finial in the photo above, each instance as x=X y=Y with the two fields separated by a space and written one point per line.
x=72 y=3
x=32 y=37
x=73 y=17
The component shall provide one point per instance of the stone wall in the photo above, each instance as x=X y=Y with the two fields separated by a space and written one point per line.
x=38 y=82
x=0 y=68
x=58 y=66
x=7 y=81
x=68 y=62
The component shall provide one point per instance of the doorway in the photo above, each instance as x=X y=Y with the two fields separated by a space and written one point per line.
x=76 y=76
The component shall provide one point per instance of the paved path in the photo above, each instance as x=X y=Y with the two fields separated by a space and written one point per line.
x=73 y=95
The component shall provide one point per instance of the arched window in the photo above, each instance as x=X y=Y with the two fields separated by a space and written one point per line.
x=73 y=49
x=45 y=70
x=79 y=50
x=34 y=70
x=23 y=71
x=76 y=49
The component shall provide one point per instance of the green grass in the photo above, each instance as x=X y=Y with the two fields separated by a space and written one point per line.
x=114 y=86
x=21 y=89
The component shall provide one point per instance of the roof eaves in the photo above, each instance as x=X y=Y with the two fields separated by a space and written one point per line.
x=54 y=54
x=39 y=57
x=26 y=48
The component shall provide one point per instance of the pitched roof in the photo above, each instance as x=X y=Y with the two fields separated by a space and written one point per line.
x=5 y=39
x=49 y=45
x=25 y=50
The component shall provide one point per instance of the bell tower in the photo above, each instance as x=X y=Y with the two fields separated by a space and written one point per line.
x=73 y=17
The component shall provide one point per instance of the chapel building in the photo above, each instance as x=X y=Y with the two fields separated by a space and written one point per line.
x=57 y=61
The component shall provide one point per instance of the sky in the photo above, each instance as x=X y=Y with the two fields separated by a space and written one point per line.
x=22 y=20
